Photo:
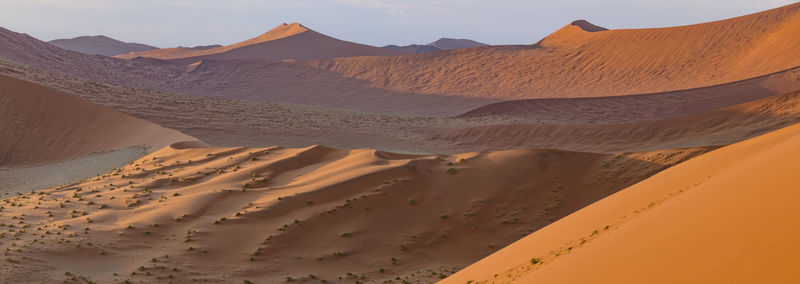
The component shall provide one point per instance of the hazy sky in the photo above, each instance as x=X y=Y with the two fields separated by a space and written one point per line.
x=166 y=23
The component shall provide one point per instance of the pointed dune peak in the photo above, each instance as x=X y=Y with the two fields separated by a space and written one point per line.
x=281 y=31
x=587 y=26
x=569 y=34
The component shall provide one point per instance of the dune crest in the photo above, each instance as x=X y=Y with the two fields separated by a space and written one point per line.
x=573 y=62
x=224 y=214
x=286 y=41
x=703 y=221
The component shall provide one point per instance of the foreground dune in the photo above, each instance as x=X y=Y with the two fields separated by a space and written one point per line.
x=729 y=216
x=40 y=125
x=267 y=214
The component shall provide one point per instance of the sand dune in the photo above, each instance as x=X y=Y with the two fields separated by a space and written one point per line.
x=264 y=214
x=102 y=45
x=41 y=125
x=720 y=127
x=726 y=217
x=574 y=62
x=583 y=174
x=641 y=107
x=242 y=123
x=601 y=63
x=286 y=41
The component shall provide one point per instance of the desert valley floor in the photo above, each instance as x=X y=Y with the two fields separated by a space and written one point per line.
x=660 y=155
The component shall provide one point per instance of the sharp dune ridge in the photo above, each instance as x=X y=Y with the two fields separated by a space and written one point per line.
x=594 y=155
x=606 y=63
x=735 y=218
x=575 y=63
x=286 y=41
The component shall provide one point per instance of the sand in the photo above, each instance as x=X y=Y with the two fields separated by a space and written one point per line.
x=40 y=125
x=573 y=62
x=601 y=63
x=724 y=217
x=243 y=123
x=286 y=41
x=265 y=214
x=597 y=148
x=25 y=179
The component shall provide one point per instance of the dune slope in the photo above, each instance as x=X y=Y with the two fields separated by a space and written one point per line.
x=602 y=63
x=286 y=41
x=725 y=217
x=264 y=214
x=581 y=60
x=39 y=125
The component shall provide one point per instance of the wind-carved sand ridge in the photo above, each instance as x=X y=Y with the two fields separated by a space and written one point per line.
x=568 y=152
x=270 y=213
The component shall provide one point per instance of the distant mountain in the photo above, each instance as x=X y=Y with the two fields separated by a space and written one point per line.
x=102 y=45
x=450 y=43
x=413 y=49
x=202 y=47
x=286 y=41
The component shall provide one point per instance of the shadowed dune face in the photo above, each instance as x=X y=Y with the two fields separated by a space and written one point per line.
x=237 y=123
x=281 y=31
x=708 y=218
x=602 y=63
x=642 y=107
x=587 y=26
x=192 y=212
x=41 y=125
x=234 y=214
x=720 y=127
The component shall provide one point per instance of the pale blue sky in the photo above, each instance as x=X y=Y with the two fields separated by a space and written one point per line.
x=166 y=23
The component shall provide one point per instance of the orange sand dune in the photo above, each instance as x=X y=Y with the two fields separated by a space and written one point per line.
x=39 y=125
x=641 y=107
x=271 y=214
x=719 y=127
x=243 y=123
x=729 y=216
x=286 y=41
x=580 y=61
x=577 y=61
